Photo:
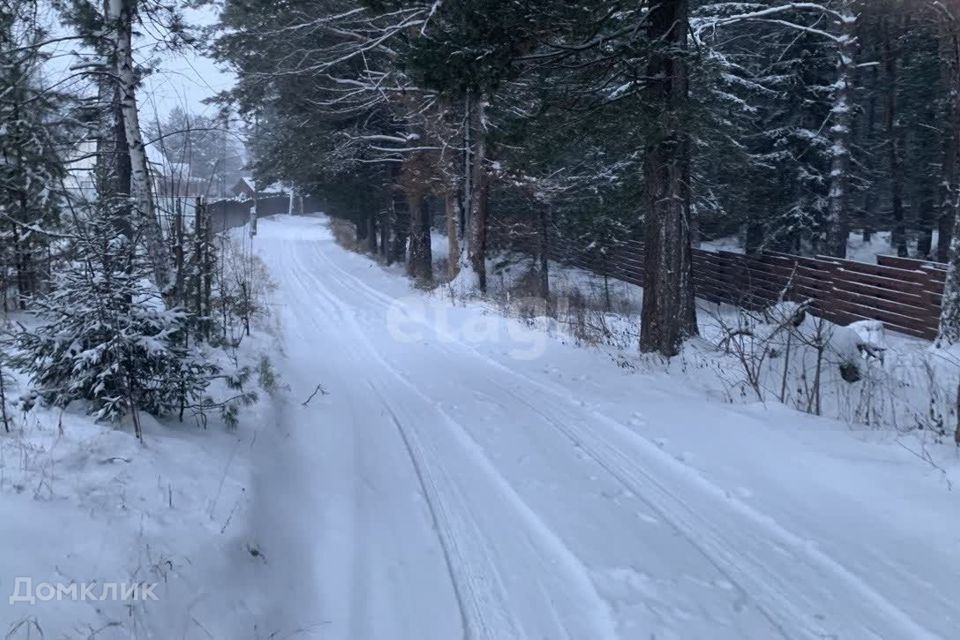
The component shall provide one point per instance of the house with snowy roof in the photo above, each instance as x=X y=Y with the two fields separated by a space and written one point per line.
x=246 y=189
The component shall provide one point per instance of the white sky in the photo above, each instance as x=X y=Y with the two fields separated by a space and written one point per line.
x=185 y=79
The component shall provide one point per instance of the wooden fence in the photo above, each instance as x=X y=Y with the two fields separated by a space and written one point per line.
x=228 y=214
x=903 y=293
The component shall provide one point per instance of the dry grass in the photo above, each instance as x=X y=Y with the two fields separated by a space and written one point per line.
x=594 y=315
x=345 y=234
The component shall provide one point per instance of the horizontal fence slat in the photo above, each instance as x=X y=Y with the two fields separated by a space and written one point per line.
x=910 y=263
x=903 y=293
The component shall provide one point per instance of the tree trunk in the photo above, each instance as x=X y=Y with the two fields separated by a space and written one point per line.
x=754 y=238
x=467 y=182
x=471 y=272
x=199 y=262
x=899 y=237
x=944 y=233
x=545 y=217
x=950 y=309
x=3 y=402
x=178 y=257
x=669 y=312
x=950 y=59
x=384 y=248
x=842 y=117
x=116 y=176
x=399 y=225
x=478 y=224
x=122 y=14
x=21 y=249
x=20 y=268
x=925 y=220
x=453 y=242
x=420 y=260
x=870 y=196
x=372 y=233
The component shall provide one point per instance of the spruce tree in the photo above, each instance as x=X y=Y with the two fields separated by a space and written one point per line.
x=30 y=165
x=105 y=335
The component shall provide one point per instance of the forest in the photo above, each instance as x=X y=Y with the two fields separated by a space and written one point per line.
x=128 y=302
x=791 y=127
x=789 y=124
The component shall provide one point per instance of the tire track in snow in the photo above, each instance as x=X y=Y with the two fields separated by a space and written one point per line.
x=641 y=493
x=634 y=475
x=484 y=600
x=547 y=546
x=724 y=549
x=471 y=606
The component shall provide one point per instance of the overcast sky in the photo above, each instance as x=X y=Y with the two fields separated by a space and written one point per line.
x=184 y=79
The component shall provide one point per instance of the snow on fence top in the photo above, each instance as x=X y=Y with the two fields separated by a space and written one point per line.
x=903 y=293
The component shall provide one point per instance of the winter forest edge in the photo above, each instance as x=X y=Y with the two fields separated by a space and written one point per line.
x=558 y=166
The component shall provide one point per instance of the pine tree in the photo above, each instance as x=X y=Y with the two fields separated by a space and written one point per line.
x=669 y=312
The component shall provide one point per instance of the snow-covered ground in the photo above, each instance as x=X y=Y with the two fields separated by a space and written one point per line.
x=906 y=384
x=879 y=245
x=434 y=470
x=464 y=475
x=104 y=538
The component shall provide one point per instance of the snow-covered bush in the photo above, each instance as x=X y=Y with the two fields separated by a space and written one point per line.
x=105 y=335
x=786 y=353
x=856 y=373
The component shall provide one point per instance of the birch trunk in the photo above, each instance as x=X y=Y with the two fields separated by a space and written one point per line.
x=471 y=271
x=121 y=13
x=466 y=279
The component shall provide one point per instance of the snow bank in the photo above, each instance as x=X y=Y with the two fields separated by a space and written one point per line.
x=90 y=512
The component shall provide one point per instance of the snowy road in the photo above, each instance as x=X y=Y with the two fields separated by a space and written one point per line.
x=455 y=491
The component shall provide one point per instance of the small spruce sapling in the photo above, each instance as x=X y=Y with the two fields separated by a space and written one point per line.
x=105 y=335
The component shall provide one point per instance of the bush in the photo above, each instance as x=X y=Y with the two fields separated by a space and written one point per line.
x=105 y=335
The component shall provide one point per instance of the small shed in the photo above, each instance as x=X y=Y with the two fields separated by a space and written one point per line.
x=245 y=189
